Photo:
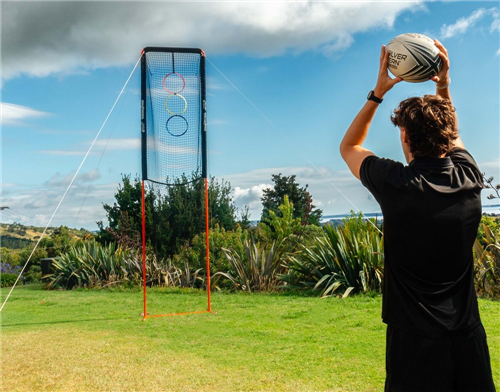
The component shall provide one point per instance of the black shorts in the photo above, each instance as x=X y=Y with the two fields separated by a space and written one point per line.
x=449 y=363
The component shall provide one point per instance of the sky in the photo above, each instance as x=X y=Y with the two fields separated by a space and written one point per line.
x=284 y=81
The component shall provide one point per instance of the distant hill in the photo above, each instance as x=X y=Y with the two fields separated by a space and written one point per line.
x=10 y=242
x=18 y=236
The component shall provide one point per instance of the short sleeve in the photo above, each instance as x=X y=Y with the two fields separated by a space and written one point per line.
x=374 y=172
x=461 y=157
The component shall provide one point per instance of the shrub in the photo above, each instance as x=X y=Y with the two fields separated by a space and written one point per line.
x=7 y=280
x=487 y=264
x=7 y=268
x=258 y=265
x=257 y=268
x=9 y=256
x=32 y=272
x=91 y=264
x=492 y=223
x=195 y=251
x=87 y=264
x=348 y=258
x=8 y=274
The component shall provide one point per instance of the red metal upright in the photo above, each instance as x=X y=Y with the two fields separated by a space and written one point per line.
x=145 y=315
x=207 y=244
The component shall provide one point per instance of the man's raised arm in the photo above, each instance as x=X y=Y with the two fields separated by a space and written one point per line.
x=443 y=81
x=351 y=147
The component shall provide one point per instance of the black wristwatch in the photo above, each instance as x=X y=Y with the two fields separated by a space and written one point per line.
x=371 y=97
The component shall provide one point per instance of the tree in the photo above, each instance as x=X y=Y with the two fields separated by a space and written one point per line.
x=489 y=185
x=303 y=207
x=279 y=228
x=125 y=215
x=174 y=214
x=58 y=242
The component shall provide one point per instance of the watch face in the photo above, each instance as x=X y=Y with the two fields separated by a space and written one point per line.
x=372 y=97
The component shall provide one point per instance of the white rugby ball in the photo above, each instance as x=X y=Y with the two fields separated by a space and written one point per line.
x=413 y=57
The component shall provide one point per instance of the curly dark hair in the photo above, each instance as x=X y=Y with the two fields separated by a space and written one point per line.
x=430 y=125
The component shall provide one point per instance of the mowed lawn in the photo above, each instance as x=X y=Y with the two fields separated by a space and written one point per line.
x=96 y=341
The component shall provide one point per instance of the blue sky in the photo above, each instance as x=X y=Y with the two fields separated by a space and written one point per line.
x=307 y=67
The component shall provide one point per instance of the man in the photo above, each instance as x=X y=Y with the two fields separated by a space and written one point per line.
x=432 y=209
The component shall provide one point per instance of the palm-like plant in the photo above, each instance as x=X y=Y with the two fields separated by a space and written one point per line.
x=487 y=264
x=348 y=257
x=92 y=264
x=256 y=269
x=87 y=264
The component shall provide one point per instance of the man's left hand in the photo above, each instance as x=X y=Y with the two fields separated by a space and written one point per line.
x=384 y=81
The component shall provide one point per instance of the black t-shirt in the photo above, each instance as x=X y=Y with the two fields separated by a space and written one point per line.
x=432 y=210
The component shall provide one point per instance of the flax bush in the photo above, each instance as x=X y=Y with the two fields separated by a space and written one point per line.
x=347 y=258
x=91 y=264
x=487 y=263
x=194 y=252
x=256 y=268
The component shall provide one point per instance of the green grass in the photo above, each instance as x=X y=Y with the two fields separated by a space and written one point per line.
x=95 y=340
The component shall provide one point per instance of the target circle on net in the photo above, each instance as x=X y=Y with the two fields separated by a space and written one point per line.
x=177 y=125
x=176 y=102
x=172 y=81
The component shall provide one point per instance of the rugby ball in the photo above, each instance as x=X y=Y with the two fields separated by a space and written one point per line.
x=413 y=57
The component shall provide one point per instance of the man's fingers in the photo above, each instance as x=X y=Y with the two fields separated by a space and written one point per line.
x=441 y=47
x=396 y=80
x=385 y=60
x=444 y=57
x=382 y=55
x=445 y=60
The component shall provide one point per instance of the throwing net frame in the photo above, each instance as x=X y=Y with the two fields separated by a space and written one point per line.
x=173 y=131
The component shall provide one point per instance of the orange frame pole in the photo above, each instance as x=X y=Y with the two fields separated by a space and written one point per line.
x=209 y=308
x=207 y=245
x=145 y=315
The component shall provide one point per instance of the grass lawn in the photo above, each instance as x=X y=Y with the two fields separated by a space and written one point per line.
x=95 y=340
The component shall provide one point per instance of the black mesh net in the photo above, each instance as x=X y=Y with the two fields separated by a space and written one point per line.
x=173 y=122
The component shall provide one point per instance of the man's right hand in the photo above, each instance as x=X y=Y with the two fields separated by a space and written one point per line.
x=442 y=78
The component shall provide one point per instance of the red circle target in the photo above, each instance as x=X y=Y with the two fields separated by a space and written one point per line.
x=183 y=83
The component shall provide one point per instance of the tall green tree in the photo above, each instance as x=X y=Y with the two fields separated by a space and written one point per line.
x=303 y=207
x=174 y=214
x=125 y=215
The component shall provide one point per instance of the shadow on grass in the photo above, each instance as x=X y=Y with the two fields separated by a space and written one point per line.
x=139 y=318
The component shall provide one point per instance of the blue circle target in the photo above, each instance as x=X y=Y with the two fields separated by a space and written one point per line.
x=177 y=125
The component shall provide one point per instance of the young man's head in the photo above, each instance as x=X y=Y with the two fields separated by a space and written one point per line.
x=428 y=126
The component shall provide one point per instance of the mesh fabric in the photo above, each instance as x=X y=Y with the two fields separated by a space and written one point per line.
x=172 y=143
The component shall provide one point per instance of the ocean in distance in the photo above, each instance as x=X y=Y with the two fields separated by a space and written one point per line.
x=491 y=209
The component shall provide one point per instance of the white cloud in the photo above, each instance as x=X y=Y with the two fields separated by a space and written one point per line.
x=212 y=84
x=60 y=180
x=495 y=25
x=463 y=24
x=109 y=144
x=82 y=206
x=250 y=197
x=216 y=121
x=42 y=38
x=15 y=114
x=248 y=187
x=492 y=167
x=62 y=152
x=119 y=144
x=333 y=191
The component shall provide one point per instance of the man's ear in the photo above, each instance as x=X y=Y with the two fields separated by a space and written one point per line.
x=404 y=136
